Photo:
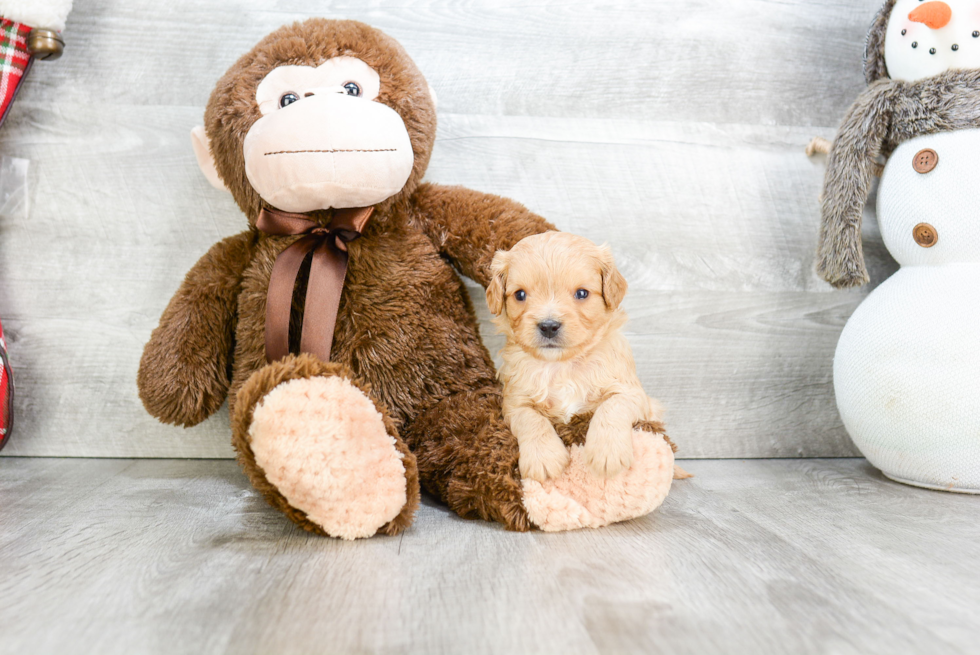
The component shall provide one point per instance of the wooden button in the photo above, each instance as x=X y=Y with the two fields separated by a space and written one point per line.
x=925 y=160
x=925 y=235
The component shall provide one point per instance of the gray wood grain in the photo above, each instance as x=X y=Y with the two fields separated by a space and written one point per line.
x=776 y=556
x=672 y=130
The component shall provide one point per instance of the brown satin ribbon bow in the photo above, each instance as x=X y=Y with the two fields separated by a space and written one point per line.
x=327 y=273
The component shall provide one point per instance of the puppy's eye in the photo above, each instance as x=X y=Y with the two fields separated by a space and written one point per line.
x=520 y=295
x=353 y=89
x=581 y=294
x=288 y=99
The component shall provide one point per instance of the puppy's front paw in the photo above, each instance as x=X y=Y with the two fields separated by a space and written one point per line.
x=609 y=453
x=542 y=459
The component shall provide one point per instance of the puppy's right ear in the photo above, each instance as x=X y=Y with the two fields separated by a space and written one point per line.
x=202 y=150
x=498 y=280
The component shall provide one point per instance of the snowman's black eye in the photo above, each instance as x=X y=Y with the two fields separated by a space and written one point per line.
x=581 y=294
x=520 y=295
x=904 y=32
x=932 y=51
x=353 y=89
x=915 y=44
x=288 y=99
x=976 y=34
x=955 y=47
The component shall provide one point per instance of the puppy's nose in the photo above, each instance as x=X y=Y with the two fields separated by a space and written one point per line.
x=549 y=328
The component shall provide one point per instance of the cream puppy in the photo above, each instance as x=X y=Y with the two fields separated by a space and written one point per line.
x=556 y=297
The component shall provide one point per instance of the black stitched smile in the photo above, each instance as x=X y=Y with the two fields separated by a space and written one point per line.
x=296 y=152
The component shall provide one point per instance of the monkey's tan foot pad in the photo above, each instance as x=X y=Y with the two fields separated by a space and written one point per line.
x=579 y=499
x=323 y=444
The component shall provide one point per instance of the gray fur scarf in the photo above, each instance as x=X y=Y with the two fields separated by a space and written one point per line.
x=888 y=113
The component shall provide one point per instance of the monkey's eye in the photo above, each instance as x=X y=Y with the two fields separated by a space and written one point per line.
x=288 y=99
x=520 y=295
x=581 y=294
x=353 y=89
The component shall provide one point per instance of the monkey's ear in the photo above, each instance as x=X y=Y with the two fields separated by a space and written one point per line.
x=202 y=150
x=613 y=283
x=498 y=278
x=432 y=92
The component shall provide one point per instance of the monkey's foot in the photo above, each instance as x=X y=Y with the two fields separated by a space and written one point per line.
x=322 y=444
x=579 y=499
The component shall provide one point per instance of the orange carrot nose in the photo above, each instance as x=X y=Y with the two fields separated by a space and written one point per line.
x=934 y=14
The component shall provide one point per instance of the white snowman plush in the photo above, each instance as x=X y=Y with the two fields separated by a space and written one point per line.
x=907 y=367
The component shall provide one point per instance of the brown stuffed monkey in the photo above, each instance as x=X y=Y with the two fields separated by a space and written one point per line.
x=322 y=134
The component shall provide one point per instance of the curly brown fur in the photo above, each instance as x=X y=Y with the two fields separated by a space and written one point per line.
x=405 y=328
x=468 y=457
x=444 y=216
x=886 y=115
x=573 y=433
x=194 y=341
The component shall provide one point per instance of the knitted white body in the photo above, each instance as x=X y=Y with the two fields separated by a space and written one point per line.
x=907 y=368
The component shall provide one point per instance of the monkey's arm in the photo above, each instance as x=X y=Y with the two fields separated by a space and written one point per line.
x=184 y=373
x=468 y=227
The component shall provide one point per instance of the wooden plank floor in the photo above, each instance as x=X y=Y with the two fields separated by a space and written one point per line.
x=766 y=556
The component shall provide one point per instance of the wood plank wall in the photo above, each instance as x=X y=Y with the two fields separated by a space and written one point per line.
x=673 y=130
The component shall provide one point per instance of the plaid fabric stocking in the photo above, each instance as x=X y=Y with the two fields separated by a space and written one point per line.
x=14 y=64
x=6 y=394
x=15 y=61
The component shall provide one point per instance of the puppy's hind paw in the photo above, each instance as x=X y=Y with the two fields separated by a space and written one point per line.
x=540 y=460
x=608 y=457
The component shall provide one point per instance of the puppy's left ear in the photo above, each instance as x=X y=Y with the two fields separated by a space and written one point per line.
x=498 y=279
x=613 y=283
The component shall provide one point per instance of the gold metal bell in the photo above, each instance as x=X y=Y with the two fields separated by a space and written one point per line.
x=46 y=45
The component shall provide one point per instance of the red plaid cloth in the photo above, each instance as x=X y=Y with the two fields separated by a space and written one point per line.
x=14 y=61
x=14 y=64
x=6 y=394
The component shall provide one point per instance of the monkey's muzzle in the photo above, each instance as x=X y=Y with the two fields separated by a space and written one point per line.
x=328 y=151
